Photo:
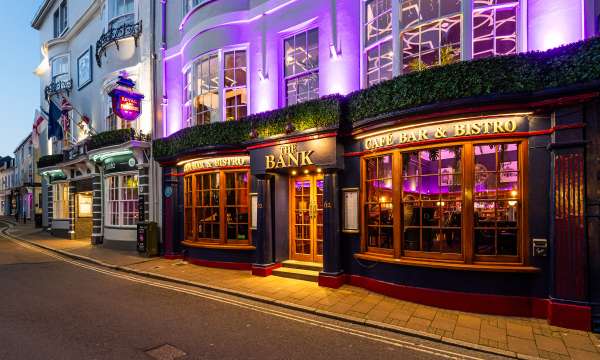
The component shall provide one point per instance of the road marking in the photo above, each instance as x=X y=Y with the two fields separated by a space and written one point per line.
x=301 y=319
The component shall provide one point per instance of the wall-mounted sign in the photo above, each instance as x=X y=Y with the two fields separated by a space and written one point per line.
x=212 y=163
x=254 y=211
x=323 y=153
x=126 y=103
x=448 y=130
x=119 y=163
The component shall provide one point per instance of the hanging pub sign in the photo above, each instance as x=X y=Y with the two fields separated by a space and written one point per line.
x=126 y=103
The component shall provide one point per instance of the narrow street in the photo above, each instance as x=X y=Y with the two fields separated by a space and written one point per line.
x=54 y=308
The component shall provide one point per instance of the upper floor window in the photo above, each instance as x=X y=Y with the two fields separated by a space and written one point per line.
x=120 y=12
x=494 y=27
x=301 y=71
x=190 y=4
x=430 y=34
x=378 y=41
x=216 y=81
x=113 y=122
x=60 y=68
x=60 y=19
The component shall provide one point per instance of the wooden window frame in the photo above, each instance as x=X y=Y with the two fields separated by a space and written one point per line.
x=223 y=241
x=468 y=258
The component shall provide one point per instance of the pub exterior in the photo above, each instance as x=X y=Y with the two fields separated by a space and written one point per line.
x=460 y=176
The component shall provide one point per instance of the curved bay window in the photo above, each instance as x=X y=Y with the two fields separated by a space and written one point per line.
x=457 y=203
x=216 y=207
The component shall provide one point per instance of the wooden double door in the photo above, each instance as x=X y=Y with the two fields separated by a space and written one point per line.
x=306 y=210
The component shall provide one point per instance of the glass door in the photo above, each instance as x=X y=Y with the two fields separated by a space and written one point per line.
x=306 y=240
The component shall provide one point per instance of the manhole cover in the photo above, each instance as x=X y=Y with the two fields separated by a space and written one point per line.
x=165 y=352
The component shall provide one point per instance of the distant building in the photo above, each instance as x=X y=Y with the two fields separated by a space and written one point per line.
x=26 y=186
x=7 y=174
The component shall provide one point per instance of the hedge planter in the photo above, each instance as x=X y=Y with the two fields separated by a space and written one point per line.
x=49 y=160
x=114 y=137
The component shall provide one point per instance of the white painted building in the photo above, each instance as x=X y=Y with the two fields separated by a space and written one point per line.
x=86 y=46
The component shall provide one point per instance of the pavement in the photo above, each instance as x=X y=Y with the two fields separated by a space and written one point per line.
x=515 y=337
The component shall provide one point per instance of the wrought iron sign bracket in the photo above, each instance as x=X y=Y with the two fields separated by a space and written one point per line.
x=114 y=35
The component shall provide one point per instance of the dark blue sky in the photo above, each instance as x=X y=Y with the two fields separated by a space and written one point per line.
x=19 y=92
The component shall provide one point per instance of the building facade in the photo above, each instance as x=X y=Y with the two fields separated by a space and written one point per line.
x=447 y=171
x=7 y=174
x=96 y=94
x=26 y=188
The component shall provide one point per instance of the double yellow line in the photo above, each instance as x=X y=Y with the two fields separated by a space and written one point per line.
x=249 y=306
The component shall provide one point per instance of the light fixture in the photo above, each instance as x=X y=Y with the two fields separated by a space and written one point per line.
x=512 y=202
x=262 y=76
x=333 y=52
x=319 y=170
x=514 y=193
x=306 y=171
x=294 y=172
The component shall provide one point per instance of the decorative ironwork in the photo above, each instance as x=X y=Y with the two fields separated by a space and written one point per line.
x=57 y=87
x=114 y=35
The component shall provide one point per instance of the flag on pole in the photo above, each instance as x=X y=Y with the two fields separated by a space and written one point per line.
x=54 y=128
x=38 y=123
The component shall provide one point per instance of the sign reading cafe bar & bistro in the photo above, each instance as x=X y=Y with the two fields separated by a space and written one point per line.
x=449 y=130
x=211 y=163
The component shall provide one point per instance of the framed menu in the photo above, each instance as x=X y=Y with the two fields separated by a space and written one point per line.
x=350 y=220
x=253 y=210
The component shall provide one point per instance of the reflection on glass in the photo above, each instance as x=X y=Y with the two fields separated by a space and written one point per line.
x=497 y=199
x=379 y=206
x=432 y=200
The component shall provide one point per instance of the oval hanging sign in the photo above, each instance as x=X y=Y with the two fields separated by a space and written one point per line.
x=126 y=103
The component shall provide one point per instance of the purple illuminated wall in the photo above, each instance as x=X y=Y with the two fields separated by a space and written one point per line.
x=551 y=23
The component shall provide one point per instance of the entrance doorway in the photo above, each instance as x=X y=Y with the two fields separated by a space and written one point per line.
x=306 y=212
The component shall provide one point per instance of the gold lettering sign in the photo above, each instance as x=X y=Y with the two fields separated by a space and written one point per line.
x=443 y=131
x=289 y=156
x=216 y=163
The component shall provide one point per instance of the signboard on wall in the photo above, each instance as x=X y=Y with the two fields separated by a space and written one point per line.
x=119 y=163
x=451 y=130
x=323 y=153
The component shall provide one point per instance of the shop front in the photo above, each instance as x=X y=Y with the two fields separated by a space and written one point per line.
x=297 y=203
x=209 y=197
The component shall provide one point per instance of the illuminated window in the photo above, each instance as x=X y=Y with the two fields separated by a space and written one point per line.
x=211 y=94
x=459 y=203
x=378 y=41
x=60 y=201
x=301 y=59
x=494 y=28
x=378 y=202
x=430 y=33
x=121 y=200
x=216 y=207
x=234 y=78
x=432 y=200
x=113 y=122
x=120 y=12
x=190 y=4
x=84 y=205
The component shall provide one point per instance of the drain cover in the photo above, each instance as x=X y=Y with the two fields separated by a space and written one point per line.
x=165 y=352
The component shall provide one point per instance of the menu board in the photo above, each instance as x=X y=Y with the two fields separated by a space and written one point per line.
x=254 y=206
x=350 y=210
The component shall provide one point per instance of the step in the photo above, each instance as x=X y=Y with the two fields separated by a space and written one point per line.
x=303 y=265
x=299 y=274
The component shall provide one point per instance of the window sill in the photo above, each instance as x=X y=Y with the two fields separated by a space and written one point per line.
x=217 y=246
x=451 y=266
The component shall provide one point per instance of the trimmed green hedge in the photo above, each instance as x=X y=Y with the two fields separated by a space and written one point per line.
x=521 y=74
x=516 y=74
x=320 y=113
x=49 y=160
x=113 y=137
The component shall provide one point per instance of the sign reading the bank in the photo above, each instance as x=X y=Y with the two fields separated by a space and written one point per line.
x=212 y=163
x=317 y=152
x=451 y=130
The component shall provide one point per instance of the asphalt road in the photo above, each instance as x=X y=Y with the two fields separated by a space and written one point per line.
x=54 y=308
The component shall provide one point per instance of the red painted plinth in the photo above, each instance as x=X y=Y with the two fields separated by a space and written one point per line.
x=220 y=264
x=570 y=316
x=332 y=281
x=264 y=270
x=173 y=256
x=565 y=315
